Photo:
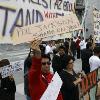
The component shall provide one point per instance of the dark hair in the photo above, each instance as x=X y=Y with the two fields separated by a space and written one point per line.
x=88 y=45
x=97 y=49
x=46 y=56
x=62 y=47
x=4 y=62
x=69 y=57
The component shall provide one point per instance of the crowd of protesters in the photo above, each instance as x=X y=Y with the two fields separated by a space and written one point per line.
x=60 y=56
x=38 y=75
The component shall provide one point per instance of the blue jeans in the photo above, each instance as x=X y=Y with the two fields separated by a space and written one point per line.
x=28 y=97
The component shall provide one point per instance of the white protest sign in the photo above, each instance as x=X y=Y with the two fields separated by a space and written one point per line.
x=53 y=89
x=46 y=28
x=11 y=69
x=19 y=13
x=96 y=16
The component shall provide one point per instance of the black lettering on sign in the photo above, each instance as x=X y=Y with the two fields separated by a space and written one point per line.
x=50 y=4
x=39 y=16
x=7 y=10
x=58 y=14
x=16 y=24
x=58 y=4
x=33 y=16
x=45 y=4
x=28 y=19
x=67 y=6
x=35 y=2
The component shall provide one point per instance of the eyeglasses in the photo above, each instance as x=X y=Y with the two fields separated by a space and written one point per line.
x=44 y=63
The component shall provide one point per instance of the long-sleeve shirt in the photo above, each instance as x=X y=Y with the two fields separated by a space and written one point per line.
x=68 y=89
x=38 y=81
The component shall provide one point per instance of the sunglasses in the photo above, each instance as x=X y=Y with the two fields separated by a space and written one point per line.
x=44 y=63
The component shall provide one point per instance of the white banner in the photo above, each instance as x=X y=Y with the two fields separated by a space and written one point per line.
x=19 y=13
x=96 y=16
x=46 y=28
x=53 y=89
x=11 y=69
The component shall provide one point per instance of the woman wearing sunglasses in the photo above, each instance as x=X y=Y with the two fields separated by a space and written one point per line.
x=40 y=75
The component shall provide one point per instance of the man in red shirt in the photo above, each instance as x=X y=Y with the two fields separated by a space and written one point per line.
x=40 y=76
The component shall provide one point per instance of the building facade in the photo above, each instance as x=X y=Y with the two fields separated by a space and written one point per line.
x=85 y=14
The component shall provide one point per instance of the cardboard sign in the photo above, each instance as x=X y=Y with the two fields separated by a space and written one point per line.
x=96 y=17
x=19 y=13
x=11 y=69
x=53 y=89
x=46 y=28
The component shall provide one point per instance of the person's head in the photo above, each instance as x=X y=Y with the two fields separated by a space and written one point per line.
x=31 y=53
x=45 y=63
x=69 y=62
x=97 y=51
x=89 y=45
x=61 y=50
x=4 y=62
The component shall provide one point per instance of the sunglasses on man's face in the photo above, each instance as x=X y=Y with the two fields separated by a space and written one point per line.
x=44 y=63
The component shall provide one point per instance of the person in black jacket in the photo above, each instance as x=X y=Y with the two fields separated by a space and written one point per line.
x=70 y=80
x=85 y=55
x=27 y=66
x=59 y=60
x=7 y=85
x=73 y=48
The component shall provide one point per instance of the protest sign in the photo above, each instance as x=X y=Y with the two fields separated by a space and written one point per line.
x=19 y=13
x=96 y=17
x=46 y=28
x=90 y=83
x=11 y=69
x=53 y=89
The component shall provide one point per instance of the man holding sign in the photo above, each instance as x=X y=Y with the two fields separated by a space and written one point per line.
x=39 y=75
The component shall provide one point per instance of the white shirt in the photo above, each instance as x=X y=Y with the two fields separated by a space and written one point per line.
x=53 y=48
x=82 y=45
x=94 y=62
x=48 y=49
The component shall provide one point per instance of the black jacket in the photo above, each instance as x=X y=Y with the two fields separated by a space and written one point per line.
x=27 y=65
x=69 y=90
x=85 y=55
x=59 y=62
x=7 y=89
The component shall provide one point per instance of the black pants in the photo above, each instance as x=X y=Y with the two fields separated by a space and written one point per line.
x=78 y=53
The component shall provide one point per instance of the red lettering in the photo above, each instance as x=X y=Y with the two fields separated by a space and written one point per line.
x=94 y=75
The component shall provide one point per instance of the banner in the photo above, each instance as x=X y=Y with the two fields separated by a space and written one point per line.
x=46 y=28
x=96 y=17
x=11 y=69
x=53 y=89
x=90 y=83
x=19 y=13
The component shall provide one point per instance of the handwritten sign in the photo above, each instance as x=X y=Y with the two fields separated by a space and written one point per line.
x=90 y=83
x=96 y=16
x=47 y=28
x=19 y=13
x=53 y=89
x=11 y=69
